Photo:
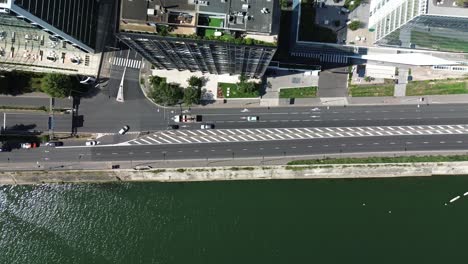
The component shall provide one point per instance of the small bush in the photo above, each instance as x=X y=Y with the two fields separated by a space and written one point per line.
x=355 y=25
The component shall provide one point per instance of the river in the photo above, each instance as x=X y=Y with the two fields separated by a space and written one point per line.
x=399 y=220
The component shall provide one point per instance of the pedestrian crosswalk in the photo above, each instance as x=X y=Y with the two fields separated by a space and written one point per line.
x=136 y=64
x=272 y=134
x=323 y=57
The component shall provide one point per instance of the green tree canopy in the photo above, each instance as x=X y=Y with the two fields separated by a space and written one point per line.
x=355 y=25
x=60 y=85
x=195 y=81
x=192 y=95
x=165 y=93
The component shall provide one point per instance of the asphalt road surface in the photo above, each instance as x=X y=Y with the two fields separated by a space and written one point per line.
x=234 y=150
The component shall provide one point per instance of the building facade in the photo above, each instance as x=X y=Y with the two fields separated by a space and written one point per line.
x=80 y=23
x=420 y=24
x=218 y=36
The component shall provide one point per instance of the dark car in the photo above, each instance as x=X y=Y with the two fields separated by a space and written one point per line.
x=173 y=127
x=54 y=144
x=5 y=148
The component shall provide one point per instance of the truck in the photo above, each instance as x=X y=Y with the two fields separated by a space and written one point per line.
x=187 y=118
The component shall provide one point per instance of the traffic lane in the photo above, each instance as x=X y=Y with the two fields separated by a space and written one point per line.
x=295 y=123
x=37 y=121
x=388 y=109
x=280 y=148
x=34 y=101
x=340 y=115
x=238 y=150
x=45 y=154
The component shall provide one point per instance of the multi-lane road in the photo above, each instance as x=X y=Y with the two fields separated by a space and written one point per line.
x=279 y=131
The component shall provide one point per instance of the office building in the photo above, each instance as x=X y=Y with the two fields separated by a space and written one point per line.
x=420 y=24
x=81 y=23
x=210 y=36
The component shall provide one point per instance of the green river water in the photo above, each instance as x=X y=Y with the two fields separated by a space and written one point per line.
x=400 y=220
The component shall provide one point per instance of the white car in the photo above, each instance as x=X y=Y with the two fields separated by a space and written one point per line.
x=252 y=118
x=124 y=130
x=207 y=126
x=92 y=143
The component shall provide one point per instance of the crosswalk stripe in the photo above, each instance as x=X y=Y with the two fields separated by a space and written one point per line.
x=161 y=138
x=150 y=138
x=215 y=139
x=211 y=132
x=171 y=138
x=233 y=138
x=146 y=141
x=186 y=140
x=251 y=137
x=242 y=138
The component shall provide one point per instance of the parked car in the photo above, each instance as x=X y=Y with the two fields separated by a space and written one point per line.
x=252 y=118
x=142 y=167
x=54 y=143
x=92 y=143
x=207 y=126
x=29 y=145
x=173 y=127
x=124 y=130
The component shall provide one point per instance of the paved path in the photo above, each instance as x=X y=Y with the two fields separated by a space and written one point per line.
x=273 y=134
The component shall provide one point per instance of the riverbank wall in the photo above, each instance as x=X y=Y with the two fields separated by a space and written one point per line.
x=341 y=171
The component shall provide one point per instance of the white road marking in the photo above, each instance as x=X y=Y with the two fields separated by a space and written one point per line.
x=251 y=137
x=233 y=138
x=171 y=138
x=152 y=139
x=146 y=141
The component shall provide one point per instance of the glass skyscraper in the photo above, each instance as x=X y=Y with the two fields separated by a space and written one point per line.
x=420 y=24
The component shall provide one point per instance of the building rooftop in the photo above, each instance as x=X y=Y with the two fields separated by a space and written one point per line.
x=253 y=16
x=446 y=8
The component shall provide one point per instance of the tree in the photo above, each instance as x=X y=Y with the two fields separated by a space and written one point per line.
x=462 y=3
x=165 y=93
x=243 y=78
x=195 y=81
x=355 y=25
x=60 y=85
x=192 y=95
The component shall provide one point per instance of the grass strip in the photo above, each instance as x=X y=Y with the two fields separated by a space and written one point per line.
x=32 y=108
x=371 y=90
x=407 y=159
x=437 y=87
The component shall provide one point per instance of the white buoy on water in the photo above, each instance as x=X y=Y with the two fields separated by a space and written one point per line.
x=454 y=199
x=465 y=194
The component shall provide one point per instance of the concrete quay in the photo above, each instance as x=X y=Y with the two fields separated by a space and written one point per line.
x=191 y=174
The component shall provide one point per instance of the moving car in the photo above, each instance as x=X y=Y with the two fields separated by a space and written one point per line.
x=92 y=143
x=29 y=145
x=5 y=148
x=207 y=126
x=124 y=130
x=173 y=127
x=252 y=118
x=54 y=143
